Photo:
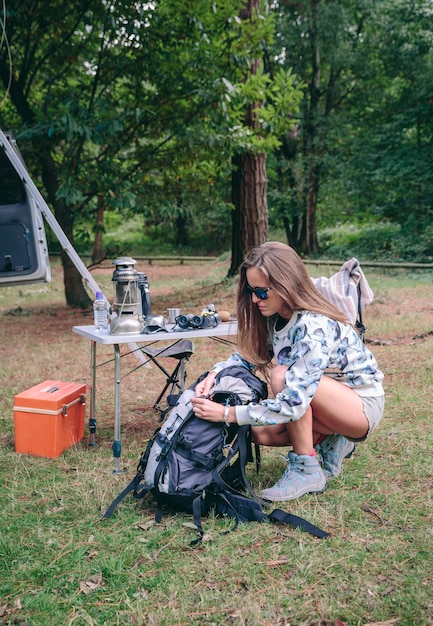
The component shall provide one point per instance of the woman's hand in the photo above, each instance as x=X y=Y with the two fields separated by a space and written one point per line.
x=208 y=410
x=203 y=387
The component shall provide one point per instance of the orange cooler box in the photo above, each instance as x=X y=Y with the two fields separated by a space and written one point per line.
x=49 y=418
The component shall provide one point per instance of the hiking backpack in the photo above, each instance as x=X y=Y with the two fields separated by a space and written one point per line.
x=196 y=466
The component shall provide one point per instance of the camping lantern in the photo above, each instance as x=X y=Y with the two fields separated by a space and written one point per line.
x=127 y=302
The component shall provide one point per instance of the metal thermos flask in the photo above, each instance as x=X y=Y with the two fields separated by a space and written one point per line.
x=143 y=285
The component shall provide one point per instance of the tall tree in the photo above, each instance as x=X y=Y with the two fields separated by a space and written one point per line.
x=104 y=93
x=125 y=106
x=323 y=44
x=267 y=110
x=249 y=182
x=385 y=136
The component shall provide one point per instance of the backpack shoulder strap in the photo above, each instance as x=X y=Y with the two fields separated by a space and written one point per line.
x=139 y=490
x=244 y=509
x=288 y=518
x=360 y=326
x=243 y=447
x=133 y=486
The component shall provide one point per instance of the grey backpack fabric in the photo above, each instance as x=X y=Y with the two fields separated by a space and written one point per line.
x=197 y=446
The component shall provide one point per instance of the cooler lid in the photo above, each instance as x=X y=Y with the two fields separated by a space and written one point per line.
x=50 y=395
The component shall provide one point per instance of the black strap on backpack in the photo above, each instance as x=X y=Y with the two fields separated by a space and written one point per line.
x=282 y=517
x=135 y=486
x=244 y=509
x=226 y=501
x=360 y=327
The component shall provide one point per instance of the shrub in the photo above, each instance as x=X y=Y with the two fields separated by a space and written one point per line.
x=383 y=241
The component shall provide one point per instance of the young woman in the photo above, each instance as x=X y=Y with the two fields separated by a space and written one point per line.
x=326 y=384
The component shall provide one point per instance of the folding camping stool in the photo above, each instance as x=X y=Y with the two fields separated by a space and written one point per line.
x=182 y=350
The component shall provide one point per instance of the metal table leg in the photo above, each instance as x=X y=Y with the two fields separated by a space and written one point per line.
x=92 y=415
x=117 y=446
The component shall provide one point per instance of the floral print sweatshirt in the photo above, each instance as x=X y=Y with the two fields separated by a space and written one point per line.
x=311 y=345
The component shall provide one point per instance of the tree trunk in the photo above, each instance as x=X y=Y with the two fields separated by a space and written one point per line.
x=292 y=212
x=254 y=207
x=250 y=217
x=181 y=229
x=75 y=294
x=311 y=241
x=97 y=252
x=237 y=252
x=311 y=157
x=249 y=184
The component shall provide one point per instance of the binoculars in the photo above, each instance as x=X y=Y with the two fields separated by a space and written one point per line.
x=197 y=321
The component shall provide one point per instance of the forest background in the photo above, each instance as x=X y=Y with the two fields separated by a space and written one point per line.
x=153 y=128
x=156 y=129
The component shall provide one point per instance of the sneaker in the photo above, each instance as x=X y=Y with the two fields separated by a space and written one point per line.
x=303 y=475
x=334 y=449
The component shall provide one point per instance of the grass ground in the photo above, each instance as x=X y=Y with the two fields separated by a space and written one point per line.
x=61 y=563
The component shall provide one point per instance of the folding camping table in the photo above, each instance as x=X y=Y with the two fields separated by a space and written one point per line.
x=219 y=333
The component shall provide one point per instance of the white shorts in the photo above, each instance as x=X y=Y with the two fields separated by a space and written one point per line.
x=373 y=410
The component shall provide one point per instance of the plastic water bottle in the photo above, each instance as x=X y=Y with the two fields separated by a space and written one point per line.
x=100 y=313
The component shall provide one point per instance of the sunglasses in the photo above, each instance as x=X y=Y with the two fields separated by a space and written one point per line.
x=259 y=292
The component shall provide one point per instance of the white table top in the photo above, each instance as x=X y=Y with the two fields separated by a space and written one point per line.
x=224 y=329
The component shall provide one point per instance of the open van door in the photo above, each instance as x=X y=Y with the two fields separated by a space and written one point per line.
x=23 y=246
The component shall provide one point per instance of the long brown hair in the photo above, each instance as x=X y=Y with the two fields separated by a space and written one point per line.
x=288 y=277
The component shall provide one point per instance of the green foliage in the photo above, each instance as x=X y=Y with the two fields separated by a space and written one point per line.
x=366 y=117
x=383 y=241
x=140 y=108
x=284 y=94
x=367 y=243
x=208 y=234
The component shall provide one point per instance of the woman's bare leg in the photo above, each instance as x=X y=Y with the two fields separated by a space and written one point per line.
x=335 y=409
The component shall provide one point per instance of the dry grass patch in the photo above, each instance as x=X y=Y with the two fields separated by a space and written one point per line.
x=61 y=563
